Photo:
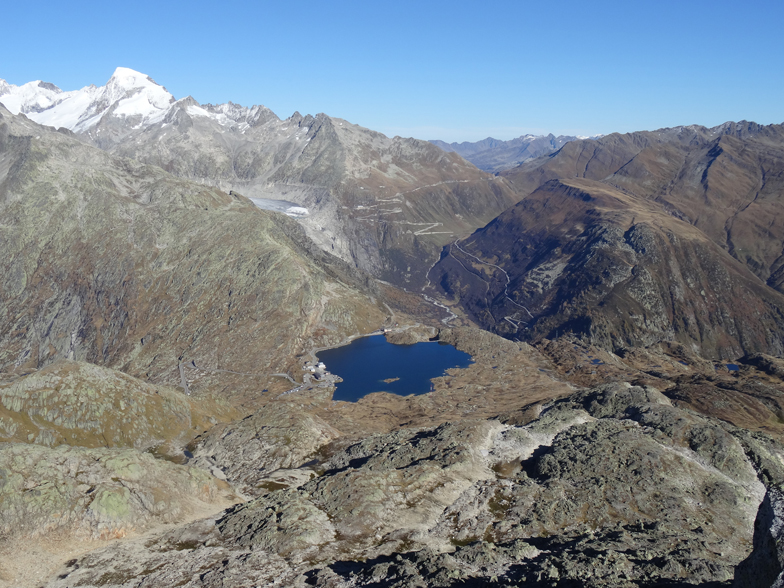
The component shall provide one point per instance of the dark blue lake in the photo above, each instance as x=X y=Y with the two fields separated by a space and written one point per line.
x=365 y=363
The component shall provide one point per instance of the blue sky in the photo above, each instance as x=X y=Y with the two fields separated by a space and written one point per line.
x=430 y=69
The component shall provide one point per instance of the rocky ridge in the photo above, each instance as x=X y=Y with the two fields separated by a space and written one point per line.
x=385 y=205
x=577 y=494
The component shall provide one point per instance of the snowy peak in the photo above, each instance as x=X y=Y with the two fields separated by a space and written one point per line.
x=130 y=101
x=138 y=92
x=30 y=98
x=128 y=95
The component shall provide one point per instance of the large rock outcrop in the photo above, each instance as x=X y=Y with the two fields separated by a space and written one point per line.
x=613 y=486
x=82 y=404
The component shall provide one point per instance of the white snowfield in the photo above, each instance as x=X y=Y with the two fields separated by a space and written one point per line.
x=297 y=211
x=218 y=116
x=127 y=94
x=284 y=206
x=31 y=97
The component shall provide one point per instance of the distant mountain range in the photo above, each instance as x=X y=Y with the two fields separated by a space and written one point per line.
x=493 y=155
x=392 y=207
x=386 y=205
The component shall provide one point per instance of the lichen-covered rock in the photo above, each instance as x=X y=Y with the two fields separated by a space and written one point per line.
x=610 y=486
x=187 y=556
x=82 y=404
x=381 y=490
x=97 y=493
x=247 y=452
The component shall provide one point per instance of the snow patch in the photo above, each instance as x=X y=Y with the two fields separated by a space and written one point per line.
x=297 y=211
x=288 y=208
x=132 y=94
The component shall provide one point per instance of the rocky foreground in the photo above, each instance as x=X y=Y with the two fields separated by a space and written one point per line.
x=521 y=479
x=611 y=486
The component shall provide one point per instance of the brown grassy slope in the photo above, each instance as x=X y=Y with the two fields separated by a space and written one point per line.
x=587 y=258
x=119 y=264
x=726 y=181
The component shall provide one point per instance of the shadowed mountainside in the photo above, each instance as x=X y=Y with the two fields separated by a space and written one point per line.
x=631 y=239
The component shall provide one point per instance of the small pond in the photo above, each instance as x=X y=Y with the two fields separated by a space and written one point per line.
x=373 y=364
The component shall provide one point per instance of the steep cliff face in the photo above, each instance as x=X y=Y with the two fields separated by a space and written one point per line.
x=579 y=256
x=120 y=264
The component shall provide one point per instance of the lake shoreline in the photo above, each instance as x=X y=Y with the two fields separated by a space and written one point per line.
x=384 y=365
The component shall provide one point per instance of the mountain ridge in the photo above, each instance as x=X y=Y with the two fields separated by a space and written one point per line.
x=386 y=205
x=495 y=155
x=155 y=326
x=620 y=234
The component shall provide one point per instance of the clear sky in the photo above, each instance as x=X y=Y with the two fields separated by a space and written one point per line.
x=457 y=71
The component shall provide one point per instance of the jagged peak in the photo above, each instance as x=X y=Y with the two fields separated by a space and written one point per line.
x=187 y=101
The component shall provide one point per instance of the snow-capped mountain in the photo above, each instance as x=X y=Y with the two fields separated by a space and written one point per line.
x=131 y=100
x=31 y=98
x=351 y=188
x=128 y=95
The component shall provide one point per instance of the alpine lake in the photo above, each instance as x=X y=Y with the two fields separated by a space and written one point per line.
x=373 y=364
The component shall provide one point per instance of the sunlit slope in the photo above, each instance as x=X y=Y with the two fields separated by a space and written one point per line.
x=117 y=263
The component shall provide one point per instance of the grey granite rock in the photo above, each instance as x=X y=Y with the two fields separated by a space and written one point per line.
x=608 y=487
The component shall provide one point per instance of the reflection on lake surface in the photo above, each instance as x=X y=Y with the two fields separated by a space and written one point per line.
x=372 y=364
